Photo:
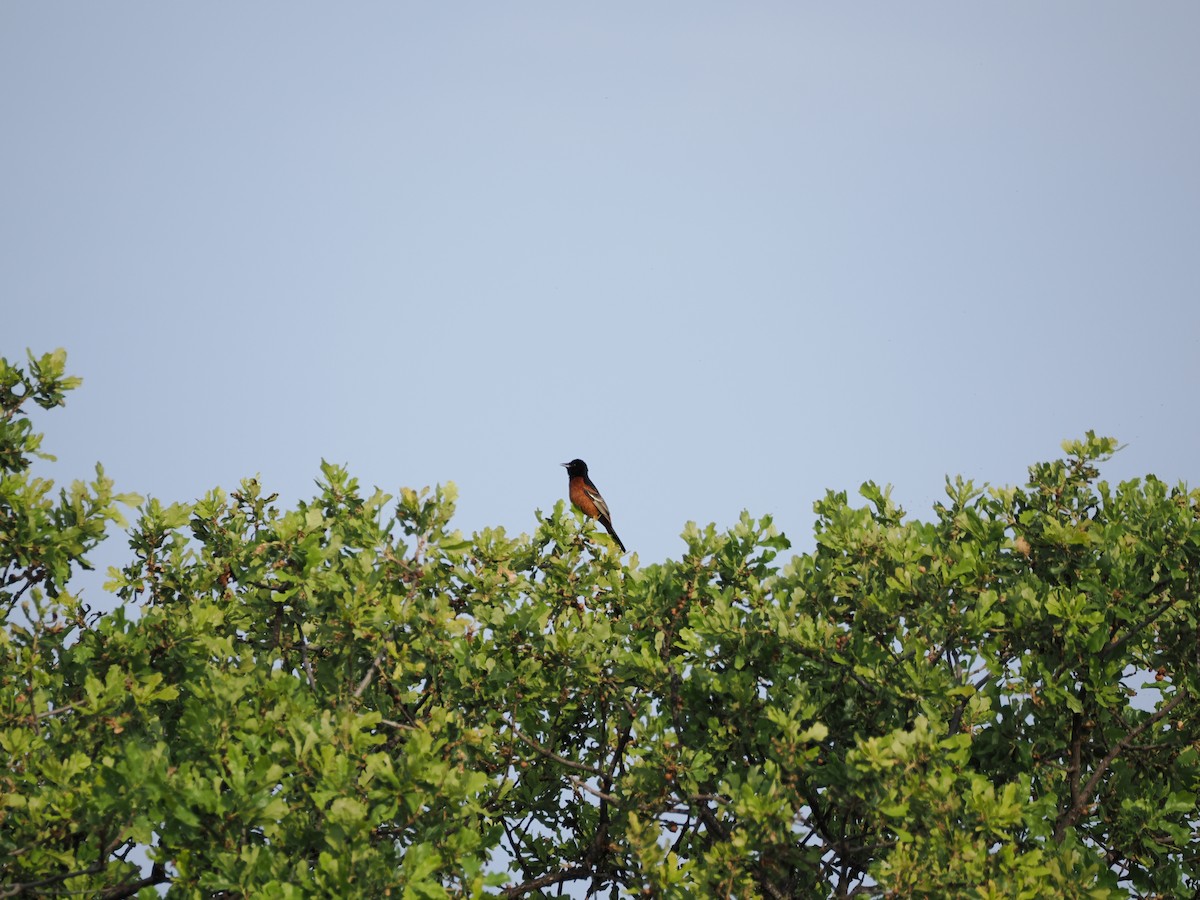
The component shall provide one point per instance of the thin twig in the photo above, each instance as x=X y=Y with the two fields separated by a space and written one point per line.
x=362 y=685
x=57 y=711
x=312 y=681
x=595 y=792
x=550 y=754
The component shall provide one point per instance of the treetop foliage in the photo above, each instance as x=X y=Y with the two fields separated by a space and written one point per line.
x=350 y=698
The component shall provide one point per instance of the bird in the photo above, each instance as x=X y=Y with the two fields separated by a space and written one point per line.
x=586 y=497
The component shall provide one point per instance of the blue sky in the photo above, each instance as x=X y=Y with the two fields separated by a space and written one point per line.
x=732 y=255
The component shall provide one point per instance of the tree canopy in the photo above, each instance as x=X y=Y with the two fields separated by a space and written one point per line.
x=350 y=698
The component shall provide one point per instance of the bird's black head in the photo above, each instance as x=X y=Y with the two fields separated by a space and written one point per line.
x=576 y=467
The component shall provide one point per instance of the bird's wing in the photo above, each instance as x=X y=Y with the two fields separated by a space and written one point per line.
x=601 y=506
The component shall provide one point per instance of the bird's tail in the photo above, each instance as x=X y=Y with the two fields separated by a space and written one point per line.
x=608 y=527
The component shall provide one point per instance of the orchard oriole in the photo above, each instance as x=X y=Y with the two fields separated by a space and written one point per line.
x=586 y=498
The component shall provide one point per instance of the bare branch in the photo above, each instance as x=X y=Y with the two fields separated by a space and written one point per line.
x=399 y=726
x=547 y=880
x=57 y=711
x=595 y=792
x=365 y=683
x=550 y=754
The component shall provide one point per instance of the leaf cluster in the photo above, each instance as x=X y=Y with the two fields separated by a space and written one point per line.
x=351 y=698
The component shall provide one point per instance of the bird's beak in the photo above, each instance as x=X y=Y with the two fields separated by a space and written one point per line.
x=564 y=464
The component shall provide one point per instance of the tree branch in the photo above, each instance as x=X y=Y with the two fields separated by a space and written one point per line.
x=961 y=707
x=550 y=754
x=365 y=683
x=547 y=880
x=1082 y=796
x=308 y=670
x=57 y=711
x=1110 y=649
x=595 y=792
x=158 y=874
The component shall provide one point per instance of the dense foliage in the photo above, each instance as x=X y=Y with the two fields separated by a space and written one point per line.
x=349 y=698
